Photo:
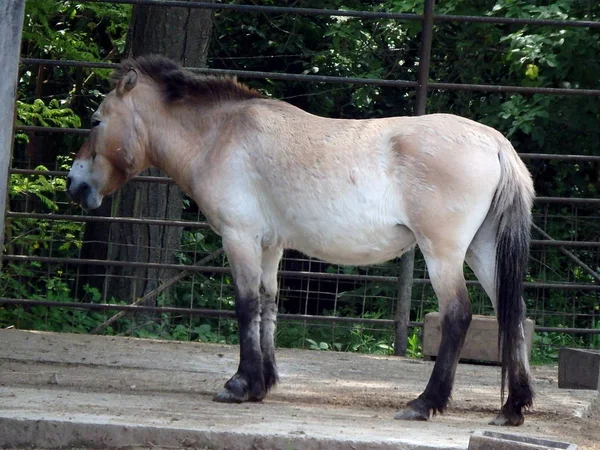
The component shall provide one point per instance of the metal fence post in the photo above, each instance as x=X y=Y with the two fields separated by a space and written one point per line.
x=406 y=266
x=11 y=28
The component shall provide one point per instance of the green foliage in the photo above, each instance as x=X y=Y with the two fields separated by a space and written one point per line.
x=365 y=342
x=546 y=346
x=363 y=48
x=38 y=185
x=414 y=348
x=38 y=237
x=51 y=319
x=321 y=345
x=360 y=340
x=524 y=114
x=34 y=234
x=50 y=115
x=66 y=29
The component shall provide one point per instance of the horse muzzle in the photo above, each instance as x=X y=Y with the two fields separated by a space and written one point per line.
x=82 y=193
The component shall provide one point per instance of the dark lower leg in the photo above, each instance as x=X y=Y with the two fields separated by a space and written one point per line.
x=267 y=338
x=520 y=396
x=435 y=398
x=248 y=382
x=520 y=392
x=268 y=298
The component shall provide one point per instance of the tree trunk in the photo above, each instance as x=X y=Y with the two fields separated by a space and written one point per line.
x=182 y=35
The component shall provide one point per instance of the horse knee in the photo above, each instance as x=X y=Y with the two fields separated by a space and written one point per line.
x=247 y=309
x=457 y=319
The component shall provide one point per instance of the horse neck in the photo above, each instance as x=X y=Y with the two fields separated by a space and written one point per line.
x=177 y=139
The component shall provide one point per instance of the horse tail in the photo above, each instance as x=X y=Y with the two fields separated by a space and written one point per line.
x=511 y=207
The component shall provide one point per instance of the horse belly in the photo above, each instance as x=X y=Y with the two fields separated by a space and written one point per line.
x=352 y=214
x=354 y=243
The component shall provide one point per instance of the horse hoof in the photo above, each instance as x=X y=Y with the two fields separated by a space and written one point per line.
x=510 y=420
x=410 y=414
x=415 y=410
x=226 y=396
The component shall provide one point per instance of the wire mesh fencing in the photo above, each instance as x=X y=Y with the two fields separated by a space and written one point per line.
x=107 y=273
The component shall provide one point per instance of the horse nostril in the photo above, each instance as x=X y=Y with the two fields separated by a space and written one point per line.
x=77 y=191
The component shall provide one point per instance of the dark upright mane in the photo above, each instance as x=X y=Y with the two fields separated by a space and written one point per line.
x=177 y=83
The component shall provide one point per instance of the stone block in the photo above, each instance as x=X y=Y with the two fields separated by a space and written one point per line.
x=491 y=440
x=481 y=343
x=579 y=368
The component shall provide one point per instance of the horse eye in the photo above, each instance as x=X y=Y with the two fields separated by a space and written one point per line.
x=96 y=122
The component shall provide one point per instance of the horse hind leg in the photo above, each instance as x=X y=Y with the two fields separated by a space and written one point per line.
x=481 y=258
x=447 y=278
x=268 y=298
x=515 y=369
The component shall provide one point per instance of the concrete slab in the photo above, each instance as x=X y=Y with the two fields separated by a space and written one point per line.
x=579 y=368
x=59 y=390
x=481 y=343
x=486 y=440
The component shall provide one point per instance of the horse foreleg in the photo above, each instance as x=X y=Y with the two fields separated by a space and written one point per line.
x=248 y=383
x=455 y=314
x=268 y=322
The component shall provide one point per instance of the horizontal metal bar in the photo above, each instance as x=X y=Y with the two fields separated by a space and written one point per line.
x=190 y=311
x=344 y=80
x=548 y=156
x=40 y=129
x=356 y=14
x=68 y=63
x=517 y=21
x=166 y=180
x=555 y=243
x=85 y=131
x=242 y=73
x=511 y=89
x=231 y=314
x=559 y=157
x=64 y=173
x=105 y=219
x=268 y=9
x=567 y=330
x=571 y=200
x=286 y=273
x=205 y=225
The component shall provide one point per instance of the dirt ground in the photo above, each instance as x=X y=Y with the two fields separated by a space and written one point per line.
x=64 y=390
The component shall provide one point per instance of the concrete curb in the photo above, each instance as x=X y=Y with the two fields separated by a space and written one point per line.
x=487 y=440
x=579 y=368
x=42 y=433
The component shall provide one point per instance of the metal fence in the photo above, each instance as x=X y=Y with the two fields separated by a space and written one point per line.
x=318 y=294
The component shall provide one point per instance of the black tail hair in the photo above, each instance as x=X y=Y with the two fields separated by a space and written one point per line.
x=513 y=202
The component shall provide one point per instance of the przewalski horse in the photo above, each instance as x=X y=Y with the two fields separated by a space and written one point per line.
x=269 y=176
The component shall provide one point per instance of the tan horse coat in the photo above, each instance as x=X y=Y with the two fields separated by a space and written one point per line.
x=269 y=176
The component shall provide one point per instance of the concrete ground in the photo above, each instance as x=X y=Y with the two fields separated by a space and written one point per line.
x=65 y=390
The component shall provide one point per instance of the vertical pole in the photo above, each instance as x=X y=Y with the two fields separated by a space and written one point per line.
x=424 y=58
x=11 y=28
x=407 y=261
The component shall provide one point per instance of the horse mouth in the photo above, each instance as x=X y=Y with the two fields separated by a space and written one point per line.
x=83 y=196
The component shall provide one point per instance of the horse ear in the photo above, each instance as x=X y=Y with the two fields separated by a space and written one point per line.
x=127 y=82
